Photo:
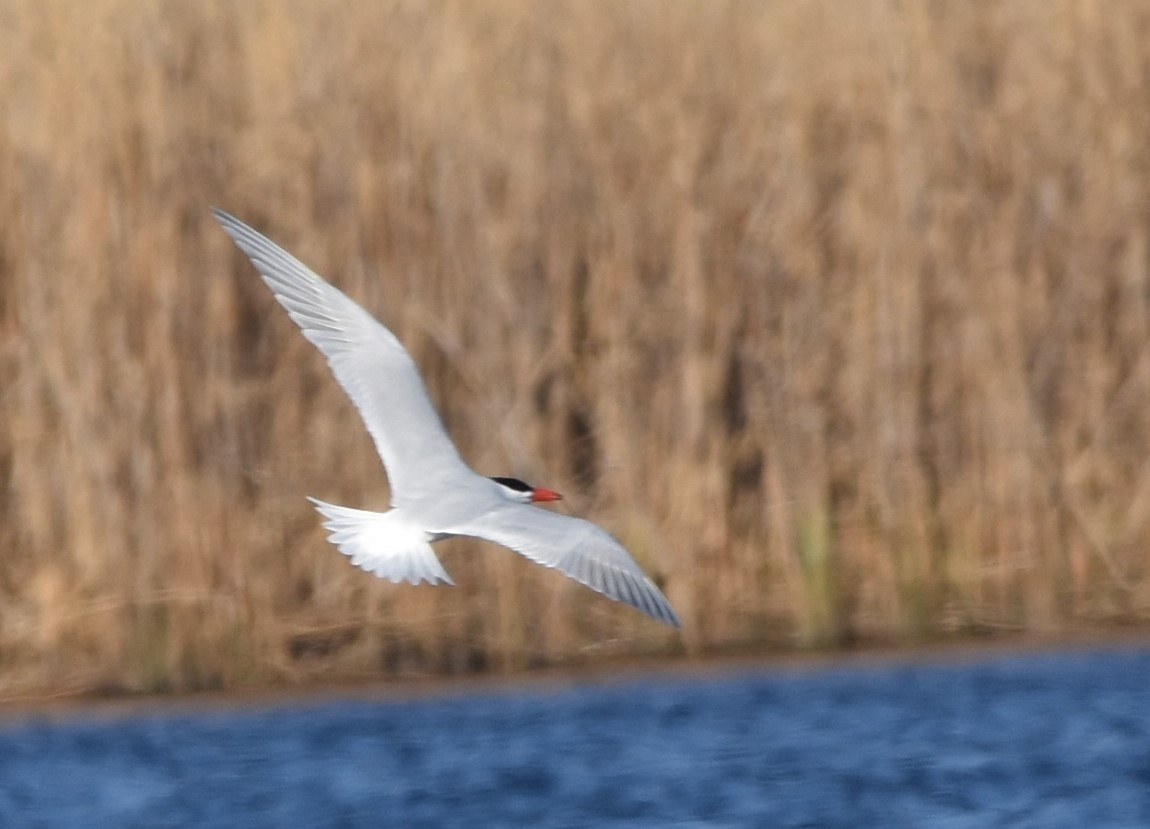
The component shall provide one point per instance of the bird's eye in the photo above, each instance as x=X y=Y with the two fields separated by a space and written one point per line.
x=515 y=484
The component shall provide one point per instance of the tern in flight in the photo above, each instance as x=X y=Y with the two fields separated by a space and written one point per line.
x=434 y=494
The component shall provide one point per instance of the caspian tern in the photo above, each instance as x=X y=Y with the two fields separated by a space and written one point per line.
x=434 y=494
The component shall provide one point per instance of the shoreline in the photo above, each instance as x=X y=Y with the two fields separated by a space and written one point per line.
x=85 y=705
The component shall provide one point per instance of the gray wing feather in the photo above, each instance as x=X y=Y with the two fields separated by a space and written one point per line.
x=368 y=361
x=576 y=547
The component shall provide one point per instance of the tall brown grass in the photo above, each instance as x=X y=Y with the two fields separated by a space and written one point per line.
x=838 y=314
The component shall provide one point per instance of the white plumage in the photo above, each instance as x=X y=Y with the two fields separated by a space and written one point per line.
x=434 y=493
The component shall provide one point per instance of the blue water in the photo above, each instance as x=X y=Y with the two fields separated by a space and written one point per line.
x=1039 y=741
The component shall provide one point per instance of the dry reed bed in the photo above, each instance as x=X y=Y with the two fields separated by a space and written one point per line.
x=837 y=314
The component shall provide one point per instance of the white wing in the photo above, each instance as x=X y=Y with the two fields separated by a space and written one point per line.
x=575 y=547
x=368 y=361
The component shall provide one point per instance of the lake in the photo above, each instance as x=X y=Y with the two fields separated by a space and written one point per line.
x=1051 y=740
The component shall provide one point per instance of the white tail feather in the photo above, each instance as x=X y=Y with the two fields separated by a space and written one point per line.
x=383 y=543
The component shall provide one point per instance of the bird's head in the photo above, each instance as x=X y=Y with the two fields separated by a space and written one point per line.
x=516 y=490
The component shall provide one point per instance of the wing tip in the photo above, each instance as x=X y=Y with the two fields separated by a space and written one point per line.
x=225 y=218
x=655 y=605
x=669 y=617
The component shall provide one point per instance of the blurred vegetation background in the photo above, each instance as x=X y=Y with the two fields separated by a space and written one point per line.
x=837 y=314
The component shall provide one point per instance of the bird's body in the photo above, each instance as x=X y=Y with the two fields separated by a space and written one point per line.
x=434 y=494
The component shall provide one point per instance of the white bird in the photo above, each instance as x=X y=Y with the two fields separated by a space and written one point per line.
x=434 y=494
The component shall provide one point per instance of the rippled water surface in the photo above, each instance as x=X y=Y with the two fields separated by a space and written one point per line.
x=1038 y=741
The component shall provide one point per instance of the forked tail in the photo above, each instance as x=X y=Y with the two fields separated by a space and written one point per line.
x=383 y=543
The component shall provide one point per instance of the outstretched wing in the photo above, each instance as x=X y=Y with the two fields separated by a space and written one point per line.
x=368 y=361
x=575 y=547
